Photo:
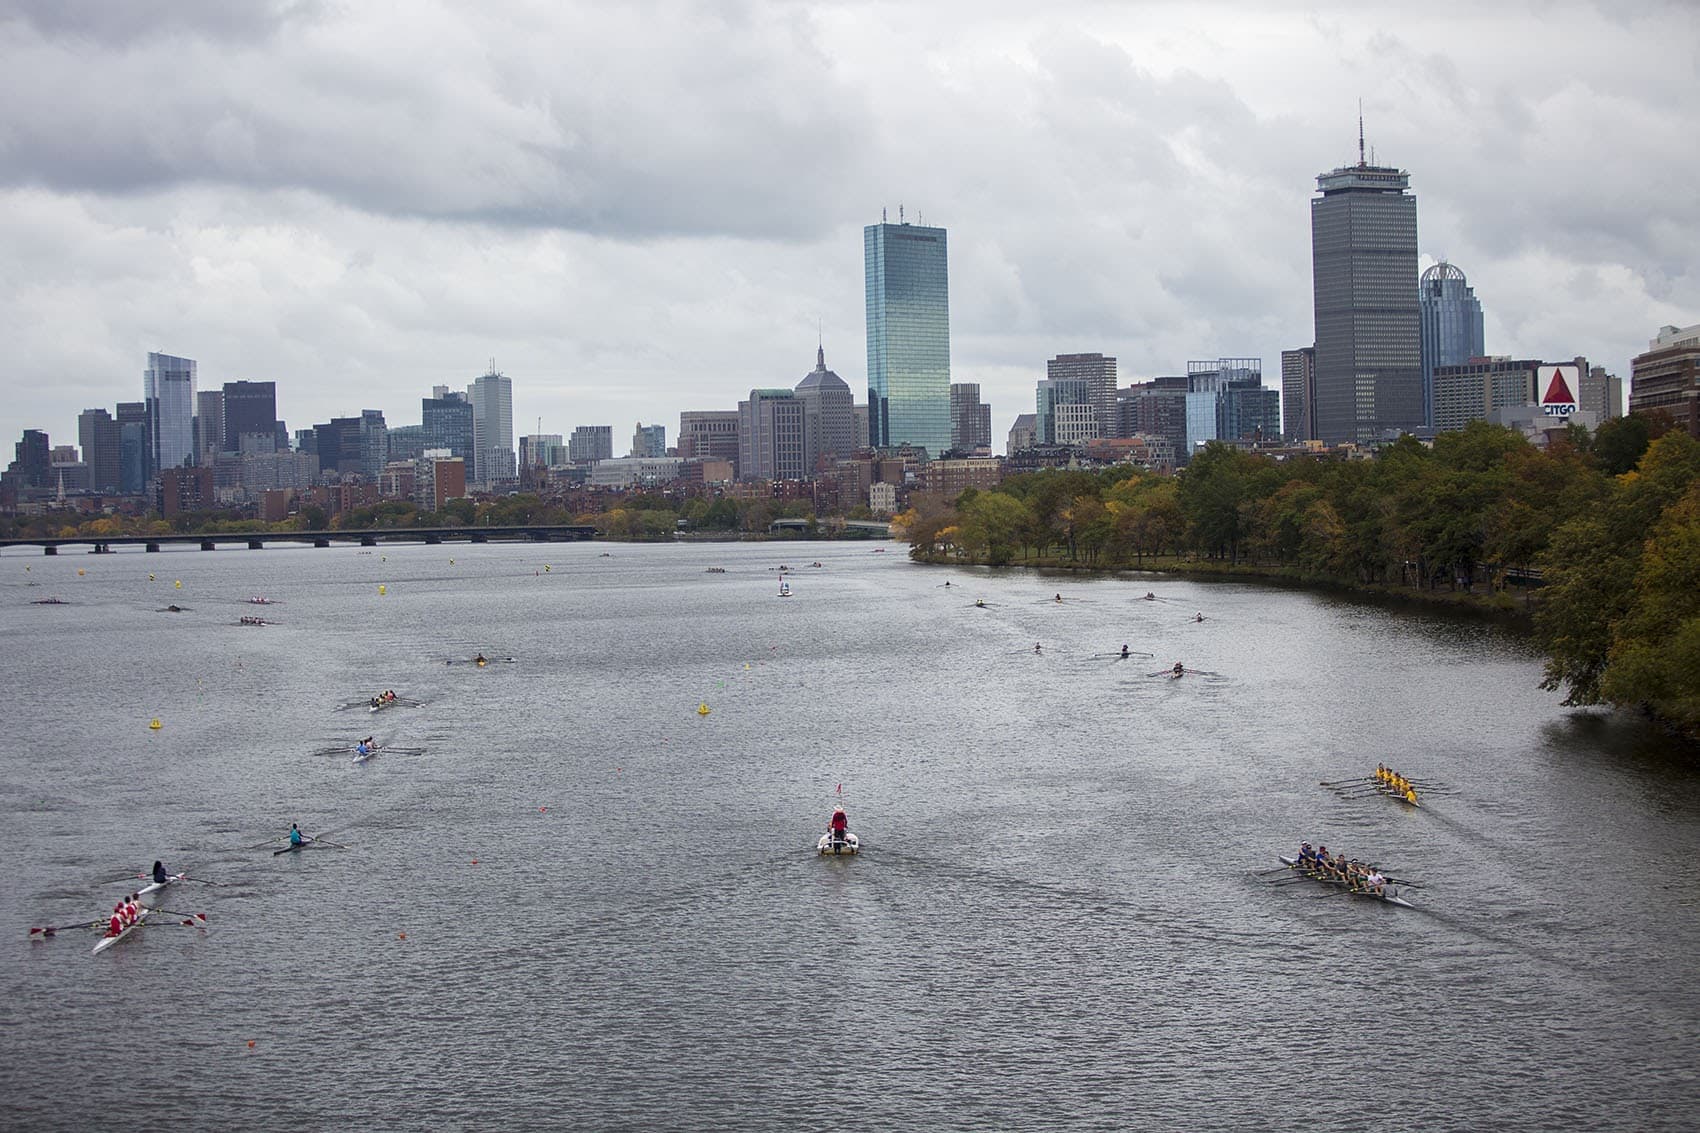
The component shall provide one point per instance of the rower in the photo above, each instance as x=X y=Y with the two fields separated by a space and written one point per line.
x=1036 y=648
x=361 y=748
x=1180 y=669
x=1198 y=617
x=160 y=877
x=1059 y=597
x=295 y=838
x=1307 y=856
x=980 y=602
x=1124 y=651
x=1375 y=882
x=478 y=660
x=1321 y=861
x=116 y=925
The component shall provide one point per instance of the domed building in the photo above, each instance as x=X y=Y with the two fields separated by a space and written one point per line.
x=1452 y=331
x=829 y=415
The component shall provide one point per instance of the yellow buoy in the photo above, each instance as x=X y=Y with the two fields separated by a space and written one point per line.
x=150 y=577
x=702 y=710
x=178 y=584
x=547 y=568
x=155 y=724
x=382 y=590
x=81 y=572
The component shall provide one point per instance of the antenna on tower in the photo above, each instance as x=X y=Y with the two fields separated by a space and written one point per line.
x=882 y=214
x=1360 y=133
x=900 y=219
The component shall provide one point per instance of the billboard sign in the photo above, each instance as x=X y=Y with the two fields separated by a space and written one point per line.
x=1558 y=386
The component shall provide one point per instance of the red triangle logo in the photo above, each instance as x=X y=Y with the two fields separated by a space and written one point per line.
x=1558 y=393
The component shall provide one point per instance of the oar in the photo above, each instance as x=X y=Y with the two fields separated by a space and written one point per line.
x=174 y=913
x=322 y=842
x=203 y=881
x=1277 y=869
x=1344 y=782
x=49 y=930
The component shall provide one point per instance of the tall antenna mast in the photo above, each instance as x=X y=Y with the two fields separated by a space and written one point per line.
x=1360 y=132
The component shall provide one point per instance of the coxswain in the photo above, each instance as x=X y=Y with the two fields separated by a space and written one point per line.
x=478 y=660
x=1150 y=597
x=1179 y=669
x=980 y=602
x=160 y=877
x=1198 y=617
x=838 y=826
x=1124 y=651
x=375 y=701
x=295 y=838
x=1036 y=648
x=1374 y=882
x=946 y=581
x=1059 y=597
x=1307 y=856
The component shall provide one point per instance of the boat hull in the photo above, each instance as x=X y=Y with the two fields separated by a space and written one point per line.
x=106 y=942
x=827 y=848
x=156 y=886
x=1390 y=896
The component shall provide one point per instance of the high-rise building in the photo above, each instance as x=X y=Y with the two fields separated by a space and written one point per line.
x=250 y=409
x=907 y=286
x=771 y=436
x=168 y=390
x=1099 y=374
x=1473 y=390
x=404 y=442
x=446 y=421
x=829 y=415
x=1023 y=434
x=1369 y=378
x=1452 y=325
x=374 y=444
x=709 y=434
x=1667 y=377
x=33 y=467
x=1236 y=406
x=542 y=450
x=492 y=397
x=649 y=441
x=1601 y=394
x=591 y=442
x=1065 y=414
x=135 y=447
x=970 y=420
x=209 y=425
x=99 y=435
x=341 y=447
x=1298 y=393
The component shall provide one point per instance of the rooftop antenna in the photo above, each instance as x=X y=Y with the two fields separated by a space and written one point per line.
x=882 y=214
x=900 y=219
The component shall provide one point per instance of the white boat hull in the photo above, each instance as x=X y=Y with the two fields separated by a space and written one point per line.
x=106 y=942
x=828 y=848
x=156 y=886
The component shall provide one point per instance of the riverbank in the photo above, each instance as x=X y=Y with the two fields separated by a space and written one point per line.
x=1514 y=608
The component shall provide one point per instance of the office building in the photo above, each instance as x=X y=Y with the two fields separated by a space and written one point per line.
x=591 y=442
x=209 y=425
x=542 y=450
x=1474 y=390
x=404 y=442
x=709 y=434
x=970 y=420
x=135 y=447
x=33 y=465
x=374 y=444
x=1369 y=380
x=168 y=391
x=250 y=409
x=771 y=436
x=1451 y=325
x=1667 y=377
x=98 y=434
x=1298 y=393
x=907 y=290
x=492 y=398
x=438 y=478
x=1241 y=409
x=829 y=416
x=1064 y=412
x=1099 y=374
x=341 y=447
x=1024 y=433
x=1601 y=394
x=446 y=422
x=649 y=441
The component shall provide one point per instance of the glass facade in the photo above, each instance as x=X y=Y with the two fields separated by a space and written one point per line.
x=908 y=312
x=168 y=390
x=1369 y=377
x=1452 y=326
x=446 y=422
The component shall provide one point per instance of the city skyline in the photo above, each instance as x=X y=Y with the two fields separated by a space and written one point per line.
x=210 y=217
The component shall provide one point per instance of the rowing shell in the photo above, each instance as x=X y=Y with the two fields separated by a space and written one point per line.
x=362 y=757
x=106 y=942
x=1394 y=793
x=828 y=848
x=155 y=887
x=1389 y=894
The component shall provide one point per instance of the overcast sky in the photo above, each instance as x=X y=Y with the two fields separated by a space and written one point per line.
x=641 y=208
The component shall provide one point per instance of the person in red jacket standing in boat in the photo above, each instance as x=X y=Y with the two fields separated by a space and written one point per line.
x=838 y=826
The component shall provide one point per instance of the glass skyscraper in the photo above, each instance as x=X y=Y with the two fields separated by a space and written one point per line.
x=1369 y=376
x=908 y=304
x=1452 y=325
x=168 y=390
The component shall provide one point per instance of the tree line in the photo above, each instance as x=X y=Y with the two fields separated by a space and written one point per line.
x=1607 y=523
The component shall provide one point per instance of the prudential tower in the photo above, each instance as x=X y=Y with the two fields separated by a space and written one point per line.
x=1363 y=230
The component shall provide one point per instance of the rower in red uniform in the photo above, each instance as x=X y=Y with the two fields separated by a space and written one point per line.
x=117 y=925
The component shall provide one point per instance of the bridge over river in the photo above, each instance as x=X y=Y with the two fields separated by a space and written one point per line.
x=365 y=537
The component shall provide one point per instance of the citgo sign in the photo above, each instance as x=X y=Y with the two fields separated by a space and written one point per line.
x=1558 y=386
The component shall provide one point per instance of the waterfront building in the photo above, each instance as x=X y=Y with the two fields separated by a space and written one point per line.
x=1667 y=377
x=907 y=292
x=829 y=416
x=1452 y=328
x=970 y=420
x=590 y=442
x=492 y=398
x=168 y=391
x=1369 y=380
x=954 y=476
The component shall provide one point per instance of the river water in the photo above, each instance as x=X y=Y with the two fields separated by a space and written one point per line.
x=585 y=904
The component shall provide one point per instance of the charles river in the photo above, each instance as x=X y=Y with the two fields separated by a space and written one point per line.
x=584 y=904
